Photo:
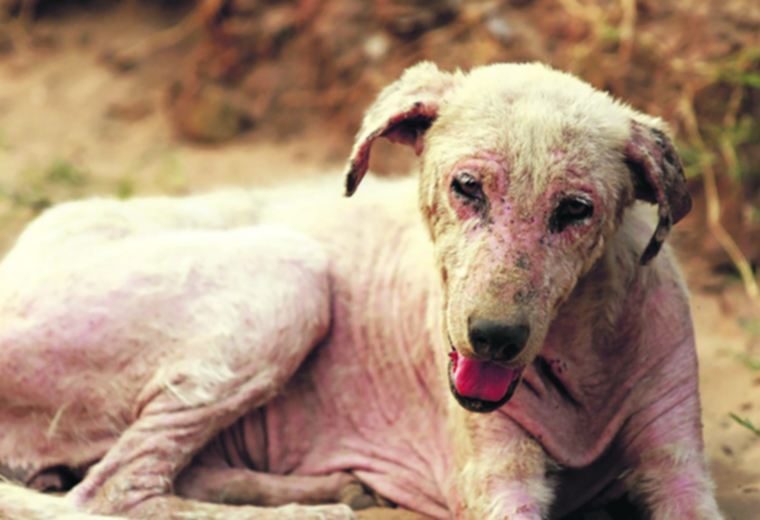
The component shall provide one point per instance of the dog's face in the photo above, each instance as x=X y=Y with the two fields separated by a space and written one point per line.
x=518 y=208
x=526 y=174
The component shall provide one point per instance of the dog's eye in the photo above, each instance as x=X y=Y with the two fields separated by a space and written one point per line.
x=465 y=185
x=570 y=211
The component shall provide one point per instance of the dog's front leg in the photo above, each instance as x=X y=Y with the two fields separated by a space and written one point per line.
x=665 y=449
x=503 y=470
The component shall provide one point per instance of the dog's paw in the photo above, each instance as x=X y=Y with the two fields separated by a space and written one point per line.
x=358 y=496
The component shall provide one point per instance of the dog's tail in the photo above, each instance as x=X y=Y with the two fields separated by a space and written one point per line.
x=20 y=503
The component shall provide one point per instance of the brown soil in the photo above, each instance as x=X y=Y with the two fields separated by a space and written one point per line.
x=72 y=125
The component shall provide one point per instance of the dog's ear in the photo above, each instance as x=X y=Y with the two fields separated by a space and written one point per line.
x=402 y=113
x=658 y=178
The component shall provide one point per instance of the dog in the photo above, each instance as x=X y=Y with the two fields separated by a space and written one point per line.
x=522 y=351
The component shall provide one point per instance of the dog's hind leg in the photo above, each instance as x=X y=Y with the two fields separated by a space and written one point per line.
x=243 y=486
x=21 y=503
x=241 y=309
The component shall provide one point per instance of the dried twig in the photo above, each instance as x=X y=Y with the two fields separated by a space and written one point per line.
x=26 y=16
x=590 y=12
x=729 y=122
x=200 y=15
x=712 y=199
x=746 y=423
x=626 y=31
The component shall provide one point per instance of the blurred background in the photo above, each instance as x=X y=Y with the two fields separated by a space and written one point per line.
x=134 y=97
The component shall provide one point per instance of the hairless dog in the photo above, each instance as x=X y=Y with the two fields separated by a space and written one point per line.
x=503 y=338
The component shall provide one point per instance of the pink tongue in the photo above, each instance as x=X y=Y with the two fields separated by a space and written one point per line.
x=482 y=380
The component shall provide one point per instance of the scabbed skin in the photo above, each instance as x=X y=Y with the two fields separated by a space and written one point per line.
x=166 y=328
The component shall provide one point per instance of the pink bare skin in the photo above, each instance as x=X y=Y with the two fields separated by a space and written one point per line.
x=521 y=351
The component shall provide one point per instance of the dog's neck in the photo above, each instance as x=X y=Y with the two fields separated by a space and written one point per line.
x=600 y=346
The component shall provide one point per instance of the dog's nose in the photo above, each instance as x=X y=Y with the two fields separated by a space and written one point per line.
x=496 y=340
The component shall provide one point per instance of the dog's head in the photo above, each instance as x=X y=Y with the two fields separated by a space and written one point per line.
x=526 y=175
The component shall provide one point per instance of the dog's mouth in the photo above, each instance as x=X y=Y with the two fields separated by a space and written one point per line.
x=481 y=386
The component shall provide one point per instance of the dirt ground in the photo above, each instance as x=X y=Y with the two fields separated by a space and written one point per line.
x=71 y=126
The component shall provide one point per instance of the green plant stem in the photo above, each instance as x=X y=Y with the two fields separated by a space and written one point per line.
x=745 y=422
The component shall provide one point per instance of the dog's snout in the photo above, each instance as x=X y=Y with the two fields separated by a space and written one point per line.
x=497 y=340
